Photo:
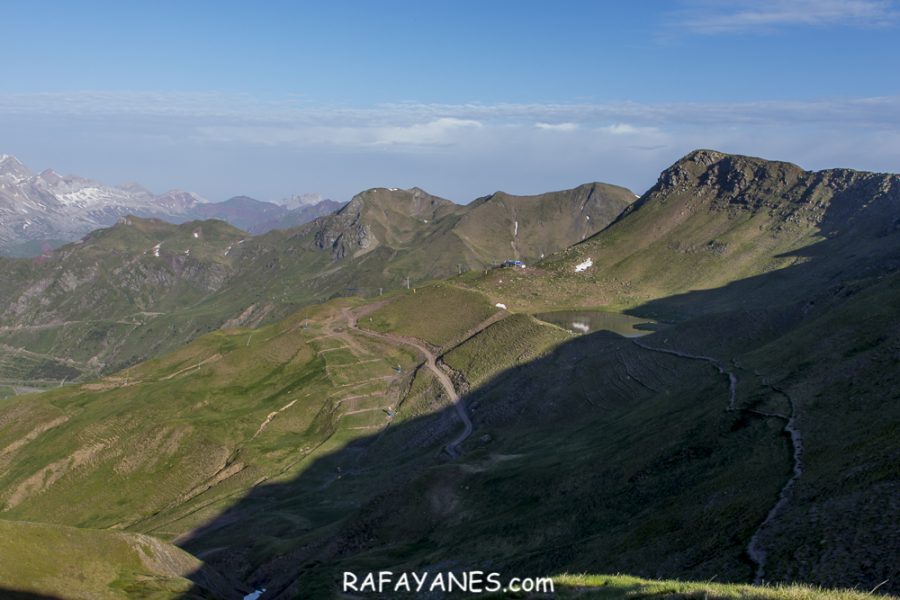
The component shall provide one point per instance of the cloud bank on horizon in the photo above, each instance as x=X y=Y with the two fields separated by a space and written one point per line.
x=461 y=151
x=698 y=74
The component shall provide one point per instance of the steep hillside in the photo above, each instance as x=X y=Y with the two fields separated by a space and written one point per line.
x=540 y=223
x=487 y=231
x=116 y=296
x=110 y=300
x=47 y=561
x=287 y=454
x=166 y=446
x=604 y=443
x=752 y=440
x=752 y=437
x=383 y=237
x=713 y=219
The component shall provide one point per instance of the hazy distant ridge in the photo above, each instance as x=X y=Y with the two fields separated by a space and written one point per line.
x=45 y=210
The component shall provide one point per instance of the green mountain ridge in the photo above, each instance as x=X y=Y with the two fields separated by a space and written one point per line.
x=752 y=438
x=714 y=219
x=110 y=301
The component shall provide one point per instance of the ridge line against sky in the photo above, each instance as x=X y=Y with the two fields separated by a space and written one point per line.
x=459 y=98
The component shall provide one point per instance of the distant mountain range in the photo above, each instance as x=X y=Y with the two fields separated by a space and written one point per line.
x=143 y=286
x=42 y=211
x=257 y=216
x=750 y=435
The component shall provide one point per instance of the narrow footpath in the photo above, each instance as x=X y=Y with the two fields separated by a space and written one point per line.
x=755 y=550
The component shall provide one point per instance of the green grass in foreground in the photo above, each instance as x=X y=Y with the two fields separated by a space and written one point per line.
x=73 y=563
x=623 y=586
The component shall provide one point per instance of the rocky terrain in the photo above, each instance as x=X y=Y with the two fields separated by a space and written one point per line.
x=144 y=286
x=749 y=435
x=39 y=212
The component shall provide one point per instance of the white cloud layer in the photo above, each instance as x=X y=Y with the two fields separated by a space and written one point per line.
x=557 y=126
x=431 y=120
x=221 y=145
x=767 y=15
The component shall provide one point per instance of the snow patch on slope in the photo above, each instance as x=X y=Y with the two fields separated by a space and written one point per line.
x=584 y=266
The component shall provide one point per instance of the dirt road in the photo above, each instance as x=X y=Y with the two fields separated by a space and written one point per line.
x=431 y=363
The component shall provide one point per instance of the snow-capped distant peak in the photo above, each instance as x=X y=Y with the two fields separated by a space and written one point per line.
x=65 y=207
x=11 y=167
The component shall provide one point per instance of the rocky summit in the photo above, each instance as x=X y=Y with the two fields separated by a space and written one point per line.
x=700 y=384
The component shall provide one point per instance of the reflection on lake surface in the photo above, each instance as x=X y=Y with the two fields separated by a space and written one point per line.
x=586 y=321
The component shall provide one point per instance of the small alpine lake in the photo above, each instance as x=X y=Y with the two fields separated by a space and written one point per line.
x=588 y=321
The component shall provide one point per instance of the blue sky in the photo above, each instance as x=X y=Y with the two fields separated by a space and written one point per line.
x=461 y=98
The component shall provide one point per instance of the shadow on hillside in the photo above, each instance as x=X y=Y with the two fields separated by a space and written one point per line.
x=859 y=240
x=396 y=500
x=667 y=497
x=7 y=594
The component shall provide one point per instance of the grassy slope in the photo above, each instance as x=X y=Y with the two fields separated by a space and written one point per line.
x=97 y=306
x=126 y=275
x=506 y=344
x=167 y=429
x=754 y=307
x=566 y=448
x=503 y=226
x=563 y=432
x=561 y=435
x=587 y=440
x=614 y=587
x=439 y=314
x=107 y=300
x=84 y=564
x=841 y=367
x=712 y=220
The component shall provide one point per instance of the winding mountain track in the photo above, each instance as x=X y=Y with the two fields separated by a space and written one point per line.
x=431 y=363
x=754 y=548
x=732 y=378
x=755 y=551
